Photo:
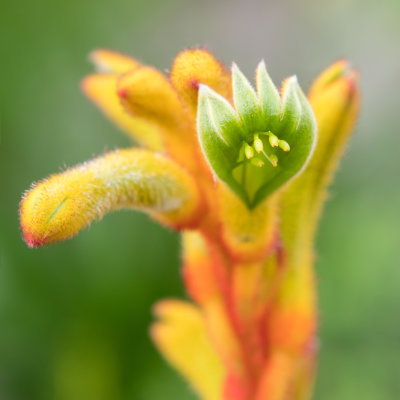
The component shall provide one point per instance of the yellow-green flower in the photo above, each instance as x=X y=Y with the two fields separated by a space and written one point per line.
x=242 y=173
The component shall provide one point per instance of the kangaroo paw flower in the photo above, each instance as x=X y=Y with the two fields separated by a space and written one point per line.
x=247 y=235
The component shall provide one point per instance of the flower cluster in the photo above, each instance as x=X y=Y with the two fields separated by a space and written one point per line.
x=241 y=173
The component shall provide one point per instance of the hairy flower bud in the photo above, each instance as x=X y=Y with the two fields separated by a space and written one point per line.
x=57 y=208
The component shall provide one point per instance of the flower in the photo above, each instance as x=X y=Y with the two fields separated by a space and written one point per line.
x=248 y=148
x=243 y=177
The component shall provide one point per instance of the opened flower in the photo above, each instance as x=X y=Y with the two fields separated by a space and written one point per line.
x=242 y=173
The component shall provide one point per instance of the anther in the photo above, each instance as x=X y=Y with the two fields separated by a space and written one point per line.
x=273 y=140
x=284 y=145
x=248 y=151
x=257 y=162
x=274 y=160
x=258 y=144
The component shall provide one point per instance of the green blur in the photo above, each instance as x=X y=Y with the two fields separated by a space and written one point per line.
x=74 y=317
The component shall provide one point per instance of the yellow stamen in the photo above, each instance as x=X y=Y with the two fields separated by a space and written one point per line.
x=257 y=162
x=284 y=145
x=273 y=140
x=274 y=160
x=248 y=151
x=258 y=144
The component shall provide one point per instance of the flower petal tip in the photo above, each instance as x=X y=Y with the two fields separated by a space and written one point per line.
x=194 y=84
x=32 y=241
x=122 y=93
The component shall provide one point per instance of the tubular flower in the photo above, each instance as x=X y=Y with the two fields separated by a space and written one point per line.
x=242 y=173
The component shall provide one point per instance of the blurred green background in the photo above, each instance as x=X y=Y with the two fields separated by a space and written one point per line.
x=74 y=317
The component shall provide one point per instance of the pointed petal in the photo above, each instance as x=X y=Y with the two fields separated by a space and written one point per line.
x=111 y=62
x=219 y=135
x=300 y=130
x=269 y=98
x=182 y=338
x=245 y=100
x=221 y=115
x=60 y=206
x=197 y=66
x=102 y=90
x=291 y=107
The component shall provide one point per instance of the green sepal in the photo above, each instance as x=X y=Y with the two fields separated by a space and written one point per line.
x=220 y=136
x=301 y=131
x=291 y=107
x=245 y=100
x=270 y=101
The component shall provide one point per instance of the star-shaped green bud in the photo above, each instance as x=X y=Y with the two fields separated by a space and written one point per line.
x=263 y=141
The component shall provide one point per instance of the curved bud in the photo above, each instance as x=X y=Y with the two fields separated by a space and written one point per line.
x=281 y=134
x=335 y=99
x=193 y=67
x=60 y=206
x=102 y=90
x=111 y=62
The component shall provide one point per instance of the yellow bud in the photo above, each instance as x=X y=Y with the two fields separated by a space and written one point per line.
x=60 y=206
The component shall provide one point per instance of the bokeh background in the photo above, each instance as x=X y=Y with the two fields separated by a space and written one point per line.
x=74 y=317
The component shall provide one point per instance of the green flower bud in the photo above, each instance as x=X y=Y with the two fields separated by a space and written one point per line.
x=263 y=141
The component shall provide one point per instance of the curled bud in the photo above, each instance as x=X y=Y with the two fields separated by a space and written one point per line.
x=280 y=130
x=60 y=206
